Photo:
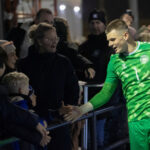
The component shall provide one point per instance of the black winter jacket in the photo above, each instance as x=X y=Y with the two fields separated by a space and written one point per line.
x=96 y=49
x=53 y=78
x=80 y=63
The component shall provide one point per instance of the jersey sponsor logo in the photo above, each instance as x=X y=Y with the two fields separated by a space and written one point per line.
x=144 y=59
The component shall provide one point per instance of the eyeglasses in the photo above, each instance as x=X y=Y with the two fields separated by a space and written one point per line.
x=52 y=40
x=31 y=90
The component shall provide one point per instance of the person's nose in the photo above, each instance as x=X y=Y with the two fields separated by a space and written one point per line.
x=110 y=43
x=16 y=57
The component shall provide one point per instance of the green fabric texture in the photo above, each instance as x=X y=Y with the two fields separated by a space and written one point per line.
x=134 y=72
x=104 y=95
x=139 y=134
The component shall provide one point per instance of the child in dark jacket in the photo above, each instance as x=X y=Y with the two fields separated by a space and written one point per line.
x=22 y=95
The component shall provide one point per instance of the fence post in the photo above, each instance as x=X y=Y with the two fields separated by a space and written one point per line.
x=94 y=139
x=85 y=129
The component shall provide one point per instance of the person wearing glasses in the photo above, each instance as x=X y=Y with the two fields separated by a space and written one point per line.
x=53 y=78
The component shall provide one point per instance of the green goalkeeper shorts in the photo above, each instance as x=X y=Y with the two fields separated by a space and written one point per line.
x=139 y=135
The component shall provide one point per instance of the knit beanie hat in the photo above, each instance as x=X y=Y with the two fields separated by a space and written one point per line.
x=129 y=12
x=97 y=15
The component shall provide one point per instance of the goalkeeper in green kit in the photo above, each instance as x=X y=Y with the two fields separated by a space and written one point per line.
x=130 y=65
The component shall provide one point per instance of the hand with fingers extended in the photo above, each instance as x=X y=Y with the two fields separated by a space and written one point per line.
x=77 y=111
x=65 y=109
x=74 y=114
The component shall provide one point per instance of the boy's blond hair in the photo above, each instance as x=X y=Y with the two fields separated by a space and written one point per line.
x=14 y=81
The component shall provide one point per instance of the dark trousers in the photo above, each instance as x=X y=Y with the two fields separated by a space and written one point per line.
x=61 y=139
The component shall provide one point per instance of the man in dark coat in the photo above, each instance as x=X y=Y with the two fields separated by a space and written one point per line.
x=96 y=48
x=68 y=48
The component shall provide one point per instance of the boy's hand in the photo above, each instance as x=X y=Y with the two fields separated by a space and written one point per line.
x=45 y=140
x=45 y=137
x=45 y=124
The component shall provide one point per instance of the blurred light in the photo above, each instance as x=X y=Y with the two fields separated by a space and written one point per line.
x=76 y=9
x=62 y=7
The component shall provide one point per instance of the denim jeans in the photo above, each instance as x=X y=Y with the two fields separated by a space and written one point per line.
x=100 y=127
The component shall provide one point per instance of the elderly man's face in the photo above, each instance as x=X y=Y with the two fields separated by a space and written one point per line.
x=96 y=27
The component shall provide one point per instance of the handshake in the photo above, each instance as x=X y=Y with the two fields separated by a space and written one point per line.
x=72 y=113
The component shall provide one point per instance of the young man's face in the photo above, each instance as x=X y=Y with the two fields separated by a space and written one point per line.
x=96 y=27
x=118 y=40
x=49 y=41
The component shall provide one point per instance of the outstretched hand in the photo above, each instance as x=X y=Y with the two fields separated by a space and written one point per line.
x=65 y=109
x=74 y=114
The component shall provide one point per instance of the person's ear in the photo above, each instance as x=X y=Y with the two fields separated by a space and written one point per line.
x=20 y=90
x=126 y=36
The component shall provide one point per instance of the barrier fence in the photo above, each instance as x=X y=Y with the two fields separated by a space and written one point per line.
x=92 y=115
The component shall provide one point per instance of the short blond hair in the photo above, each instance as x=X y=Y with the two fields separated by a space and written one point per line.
x=116 y=24
x=14 y=81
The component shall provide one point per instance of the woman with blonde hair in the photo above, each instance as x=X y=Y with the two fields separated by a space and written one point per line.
x=53 y=78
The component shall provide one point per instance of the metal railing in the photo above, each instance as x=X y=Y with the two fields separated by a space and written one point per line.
x=92 y=115
x=85 y=129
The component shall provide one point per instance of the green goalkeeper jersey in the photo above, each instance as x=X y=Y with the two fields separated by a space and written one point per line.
x=134 y=72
